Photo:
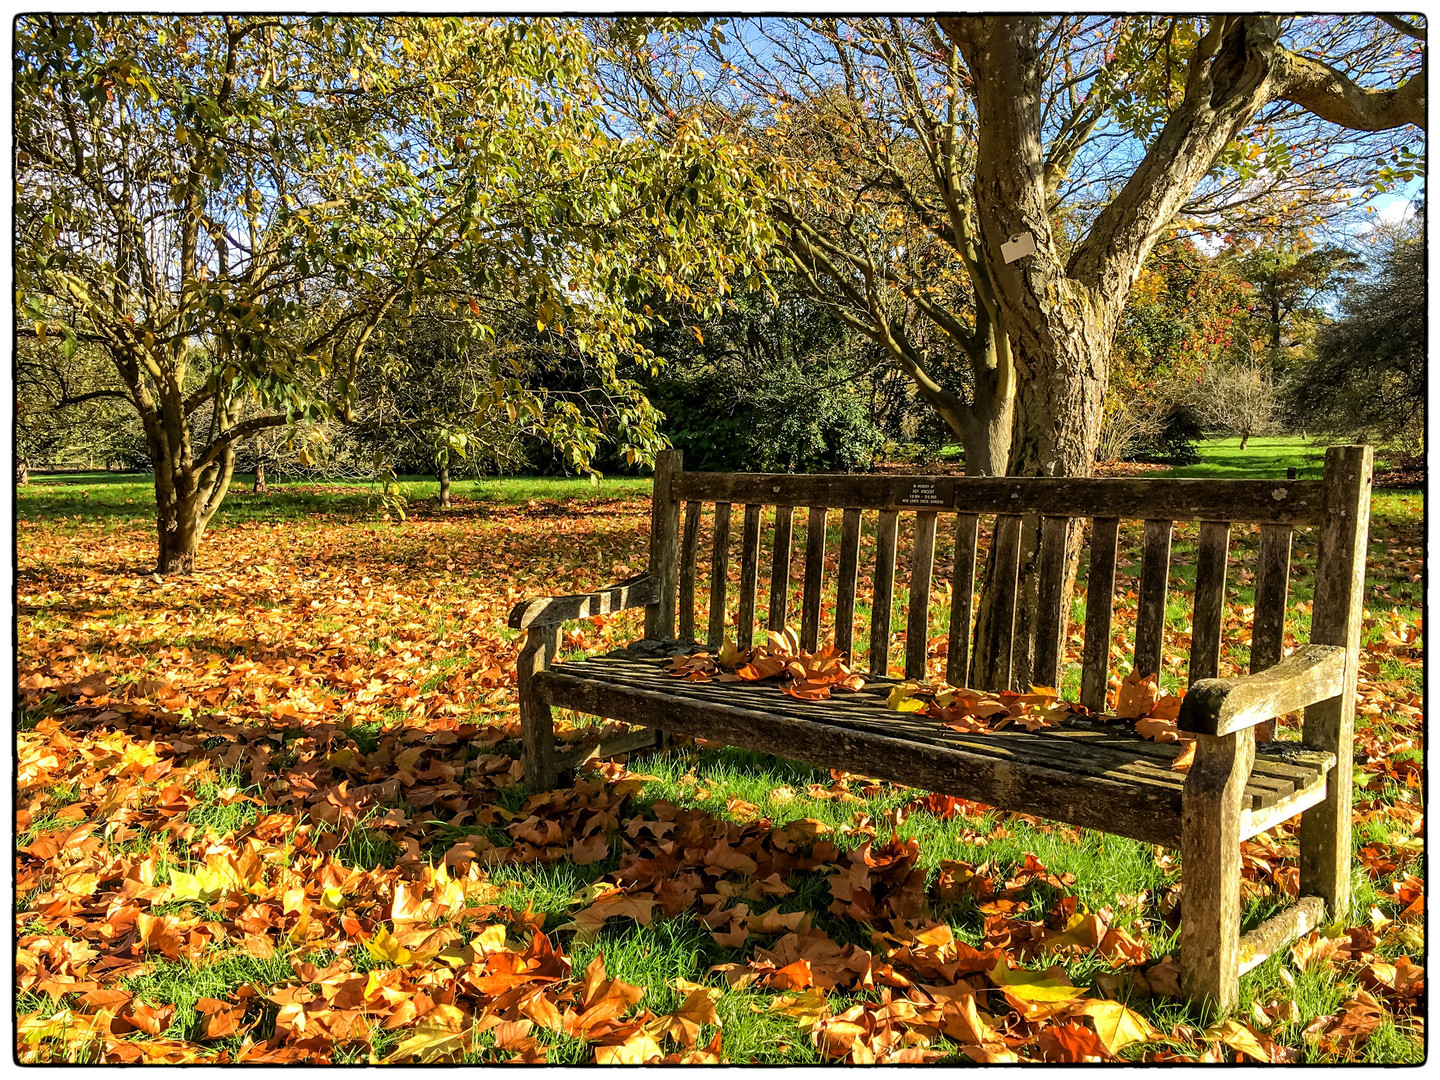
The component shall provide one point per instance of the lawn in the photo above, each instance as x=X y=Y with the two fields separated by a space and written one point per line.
x=272 y=813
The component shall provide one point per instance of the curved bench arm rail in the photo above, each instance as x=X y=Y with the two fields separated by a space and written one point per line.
x=1221 y=706
x=638 y=591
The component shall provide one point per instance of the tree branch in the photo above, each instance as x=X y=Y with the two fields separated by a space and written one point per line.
x=1331 y=95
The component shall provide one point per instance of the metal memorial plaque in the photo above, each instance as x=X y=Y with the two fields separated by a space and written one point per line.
x=926 y=493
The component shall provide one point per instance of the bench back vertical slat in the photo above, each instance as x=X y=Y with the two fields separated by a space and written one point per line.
x=922 y=566
x=664 y=542
x=1272 y=576
x=1051 y=620
x=885 y=535
x=848 y=570
x=1099 y=610
x=749 y=575
x=689 y=540
x=814 y=578
x=1208 y=619
x=780 y=566
x=1005 y=588
x=719 y=575
x=962 y=586
x=1150 y=611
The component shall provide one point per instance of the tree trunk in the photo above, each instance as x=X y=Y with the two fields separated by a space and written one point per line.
x=22 y=472
x=180 y=532
x=1059 y=409
x=1244 y=440
x=260 y=478
x=443 y=475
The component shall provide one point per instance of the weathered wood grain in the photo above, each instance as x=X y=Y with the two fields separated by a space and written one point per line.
x=1099 y=610
x=749 y=576
x=1000 y=641
x=1297 y=502
x=1267 y=633
x=1208 y=618
x=719 y=575
x=922 y=565
x=1150 y=609
x=638 y=591
x=689 y=541
x=847 y=571
x=664 y=541
x=1052 y=620
x=1312 y=673
x=886 y=534
x=1335 y=620
x=537 y=729
x=780 y=566
x=814 y=585
x=962 y=593
x=1125 y=808
x=1280 y=930
x=601 y=749
x=1210 y=860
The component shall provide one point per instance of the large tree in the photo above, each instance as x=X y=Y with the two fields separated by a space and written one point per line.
x=229 y=207
x=1062 y=304
x=1093 y=134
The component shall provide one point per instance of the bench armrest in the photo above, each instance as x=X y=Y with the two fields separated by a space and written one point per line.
x=638 y=591
x=1221 y=706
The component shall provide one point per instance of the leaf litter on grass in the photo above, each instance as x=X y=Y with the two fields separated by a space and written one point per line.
x=302 y=764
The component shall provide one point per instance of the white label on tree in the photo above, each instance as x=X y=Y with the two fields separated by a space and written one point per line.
x=1017 y=247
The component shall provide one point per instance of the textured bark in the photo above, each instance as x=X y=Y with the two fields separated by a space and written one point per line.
x=1061 y=315
x=260 y=478
x=443 y=475
x=22 y=472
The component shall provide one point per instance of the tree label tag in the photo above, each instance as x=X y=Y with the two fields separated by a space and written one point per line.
x=1017 y=247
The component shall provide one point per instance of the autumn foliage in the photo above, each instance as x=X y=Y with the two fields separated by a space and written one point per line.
x=273 y=814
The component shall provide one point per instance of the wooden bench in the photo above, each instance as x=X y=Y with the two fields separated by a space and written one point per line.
x=1086 y=773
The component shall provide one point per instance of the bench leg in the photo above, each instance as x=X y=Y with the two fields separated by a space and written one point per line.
x=537 y=731
x=1210 y=865
x=1325 y=840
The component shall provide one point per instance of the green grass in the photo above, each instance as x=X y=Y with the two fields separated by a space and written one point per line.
x=1105 y=867
x=130 y=497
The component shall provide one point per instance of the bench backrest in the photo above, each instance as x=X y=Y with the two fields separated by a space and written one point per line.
x=1338 y=504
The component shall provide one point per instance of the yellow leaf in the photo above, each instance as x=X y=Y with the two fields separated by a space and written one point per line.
x=1116 y=1025
x=902 y=699
x=443 y=1034
x=1238 y=1037
x=807 y=1008
x=383 y=946
x=1032 y=985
